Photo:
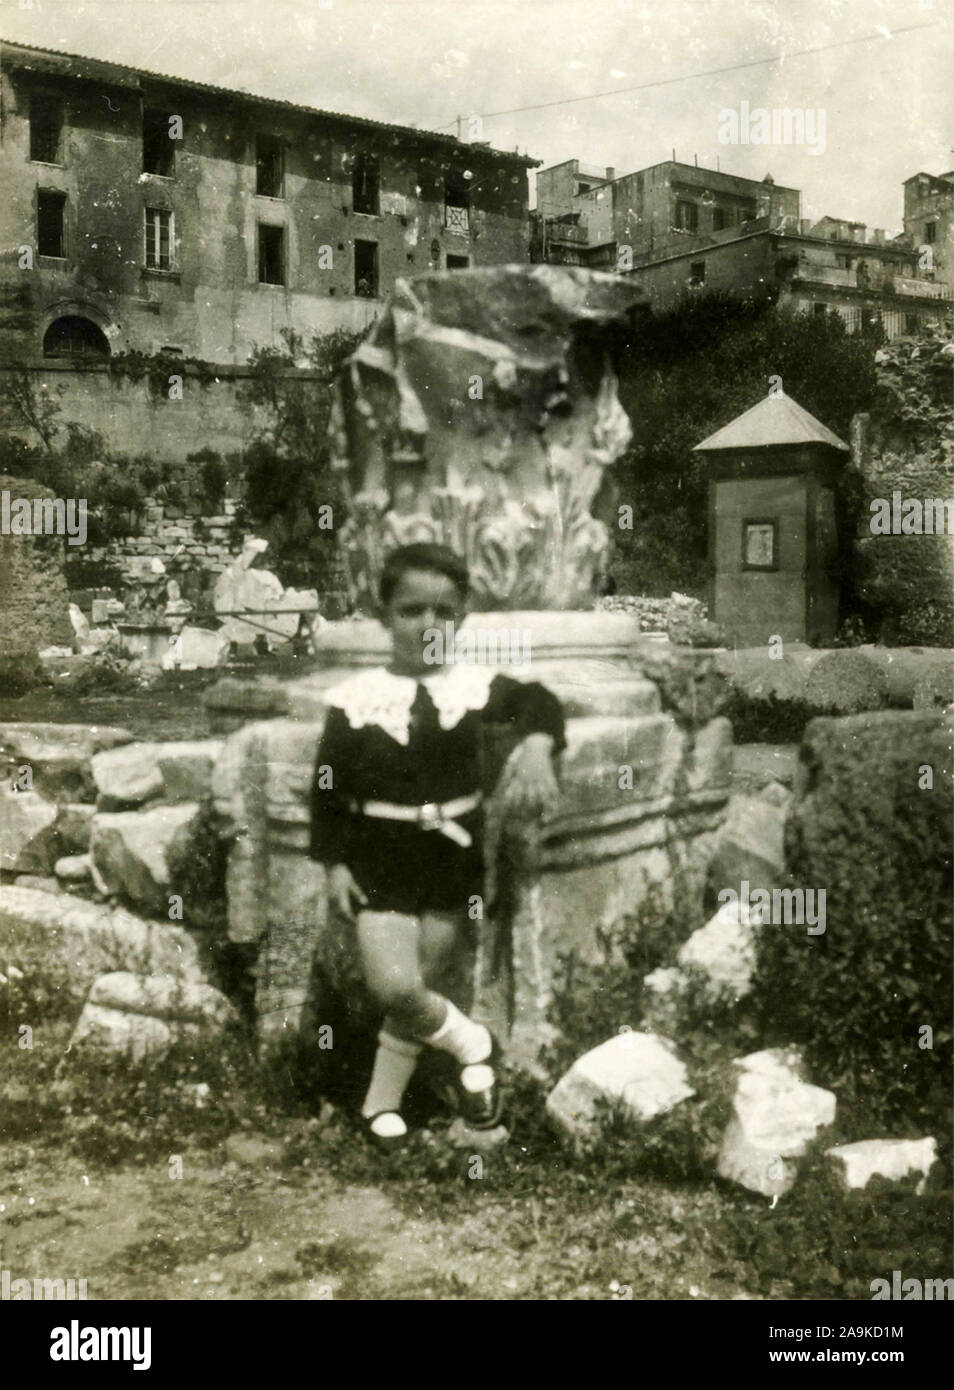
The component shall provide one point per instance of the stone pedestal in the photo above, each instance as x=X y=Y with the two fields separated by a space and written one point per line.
x=644 y=791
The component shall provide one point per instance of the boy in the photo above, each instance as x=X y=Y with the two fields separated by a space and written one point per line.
x=400 y=829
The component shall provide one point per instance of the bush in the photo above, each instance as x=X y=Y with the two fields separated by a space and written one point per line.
x=824 y=1243
x=858 y=997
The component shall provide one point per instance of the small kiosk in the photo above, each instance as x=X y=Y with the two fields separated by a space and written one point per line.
x=773 y=544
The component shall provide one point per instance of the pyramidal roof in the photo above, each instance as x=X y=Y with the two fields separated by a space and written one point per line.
x=775 y=420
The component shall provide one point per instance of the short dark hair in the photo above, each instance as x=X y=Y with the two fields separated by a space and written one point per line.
x=422 y=555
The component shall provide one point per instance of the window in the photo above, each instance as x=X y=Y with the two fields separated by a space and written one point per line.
x=46 y=128
x=457 y=203
x=697 y=273
x=51 y=223
x=687 y=216
x=583 y=188
x=458 y=262
x=364 y=185
x=74 y=337
x=759 y=545
x=158 y=239
x=271 y=255
x=158 y=147
x=930 y=232
x=746 y=213
x=720 y=219
x=366 y=269
x=819 y=310
x=269 y=167
x=844 y=262
x=911 y=323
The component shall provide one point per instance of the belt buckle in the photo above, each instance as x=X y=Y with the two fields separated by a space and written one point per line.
x=429 y=816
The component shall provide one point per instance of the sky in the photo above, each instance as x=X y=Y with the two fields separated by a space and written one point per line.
x=887 y=104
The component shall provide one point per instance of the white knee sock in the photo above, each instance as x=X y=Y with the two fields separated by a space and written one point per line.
x=394 y=1064
x=466 y=1041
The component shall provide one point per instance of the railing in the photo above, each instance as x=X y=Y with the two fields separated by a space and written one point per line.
x=571 y=233
x=920 y=289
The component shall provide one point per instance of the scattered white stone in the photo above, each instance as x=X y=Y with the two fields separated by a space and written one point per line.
x=128 y=775
x=857 y=1164
x=130 y=850
x=186 y=768
x=73 y=868
x=162 y=996
x=87 y=939
x=197 y=648
x=80 y=625
x=723 y=951
x=27 y=837
x=132 y=1035
x=639 y=1069
x=776 y=1116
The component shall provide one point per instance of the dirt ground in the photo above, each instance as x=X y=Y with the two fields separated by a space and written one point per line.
x=239 y=1225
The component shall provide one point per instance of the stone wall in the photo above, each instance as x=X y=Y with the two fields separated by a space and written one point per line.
x=132 y=419
x=34 y=604
x=193 y=549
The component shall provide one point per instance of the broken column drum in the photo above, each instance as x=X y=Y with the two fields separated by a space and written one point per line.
x=515 y=480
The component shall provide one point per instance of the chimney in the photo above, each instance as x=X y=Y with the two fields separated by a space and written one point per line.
x=877 y=236
x=805 y=226
x=610 y=173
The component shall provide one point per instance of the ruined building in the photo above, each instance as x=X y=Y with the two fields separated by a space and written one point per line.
x=146 y=212
x=681 y=230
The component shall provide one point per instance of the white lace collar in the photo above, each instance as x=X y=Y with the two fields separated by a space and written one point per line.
x=379 y=697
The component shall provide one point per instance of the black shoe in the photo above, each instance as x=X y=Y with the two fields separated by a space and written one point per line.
x=482 y=1109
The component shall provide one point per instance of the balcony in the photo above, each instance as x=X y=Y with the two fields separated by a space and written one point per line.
x=918 y=289
x=567 y=234
x=457 y=220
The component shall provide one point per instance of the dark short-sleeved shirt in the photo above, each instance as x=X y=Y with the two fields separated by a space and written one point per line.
x=413 y=742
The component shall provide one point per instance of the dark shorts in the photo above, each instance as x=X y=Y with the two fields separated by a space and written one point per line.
x=402 y=868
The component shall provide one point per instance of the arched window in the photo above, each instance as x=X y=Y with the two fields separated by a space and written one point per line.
x=73 y=336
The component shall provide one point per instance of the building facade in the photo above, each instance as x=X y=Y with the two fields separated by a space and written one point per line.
x=929 y=223
x=681 y=230
x=147 y=213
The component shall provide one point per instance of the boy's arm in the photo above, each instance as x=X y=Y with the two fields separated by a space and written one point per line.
x=528 y=785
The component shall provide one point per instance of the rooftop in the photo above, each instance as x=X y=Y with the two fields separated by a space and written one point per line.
x=775 y=420
x=52 y=60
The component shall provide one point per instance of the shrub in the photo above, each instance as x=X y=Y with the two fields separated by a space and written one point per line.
x=877 y=840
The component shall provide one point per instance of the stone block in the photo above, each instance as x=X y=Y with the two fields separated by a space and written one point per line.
x=776 y=1117
x=186 y=768
x=28 y=841
x=894 y=1159
x=131 y=851
x=59 y=755
x=639 y=1070
x=127 y=776
x=73 y=868
x=749 y=846
x=74 y=824
x=722 y=952
x=162 y=996
x=134 y=1036
x=83 y=940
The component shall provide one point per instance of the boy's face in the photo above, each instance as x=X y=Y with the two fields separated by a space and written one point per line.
x=422 y=600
